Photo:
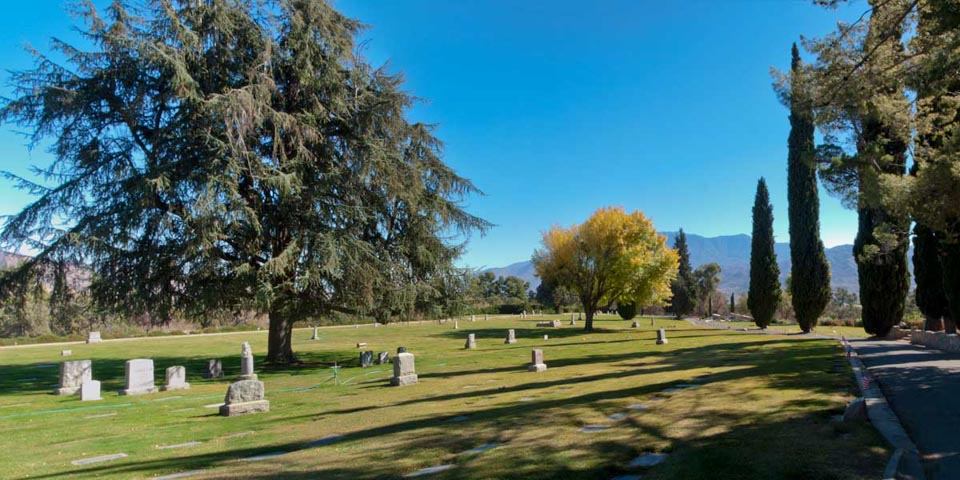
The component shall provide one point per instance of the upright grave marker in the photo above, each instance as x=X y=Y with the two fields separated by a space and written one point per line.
x=661 y=337
x=94 y=337
x=511 y=337
x=139 y=377
x=471 y=341
x=244 y=396
x=214 y=369
x=536 y=361
x=90 y=391
x=383 y=358
x=404 y=372
x=72 y=375
x=246 y=362
x=175 y=379
x=366 y=358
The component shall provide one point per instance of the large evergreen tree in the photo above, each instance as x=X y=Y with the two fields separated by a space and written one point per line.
x=764 y=294
x=683 y=288
x=234 y=154
x=928 y=274
x=810 y=271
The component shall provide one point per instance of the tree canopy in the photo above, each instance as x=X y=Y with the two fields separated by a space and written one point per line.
x=613 y=256
x=234 y=154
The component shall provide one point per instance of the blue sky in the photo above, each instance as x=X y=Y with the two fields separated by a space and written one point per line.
x=555 y=108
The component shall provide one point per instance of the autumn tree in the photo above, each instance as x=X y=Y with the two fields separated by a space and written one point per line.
x=764 y=294
x=235 y=154
x=614 y=256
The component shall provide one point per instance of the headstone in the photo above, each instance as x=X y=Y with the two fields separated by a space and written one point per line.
x=401 y=350
x=404 y=372
x=473 y=318
x=139 y=377
x=244 y=396
x=316 y=333
x=90 y=390
x=456 y=326
x=536 y=361
x=361 y=344
x=214 y=369
x=484 y=316
x=557 y=323
x=511 y=337
x=661 y=337
x=635 y=324
x=383 y=358
x=546 y=337
x=94 y=337
x=72 y=375
x=66 y=353
x=366 y=358
x=246 y=362
x=471 y=341
x=175 y=379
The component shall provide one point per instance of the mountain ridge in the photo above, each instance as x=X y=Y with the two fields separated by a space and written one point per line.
x=732 y=253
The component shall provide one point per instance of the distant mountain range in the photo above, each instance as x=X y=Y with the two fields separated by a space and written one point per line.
x=732 y=253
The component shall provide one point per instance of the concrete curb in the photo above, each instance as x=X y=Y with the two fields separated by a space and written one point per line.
x=905 y=461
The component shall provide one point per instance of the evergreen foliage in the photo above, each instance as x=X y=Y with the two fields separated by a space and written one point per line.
x=733 y=303
x=235 y=155
x=683 y=287
x=764 y=294
x=627 y=311
x=810 y=289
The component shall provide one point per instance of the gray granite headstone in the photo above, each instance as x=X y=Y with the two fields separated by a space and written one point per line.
x=246 y=362
x=471 y=341
x=175 y=379
x=366 y=358
x=511 y=337
x=139 y=377
x=214 y=369
x=536 y=361
x=661 y=337
x=244 y=396
x=72 y=375
x=94 y=337
x=383 y=358
x=404 y=372
x=90 y=391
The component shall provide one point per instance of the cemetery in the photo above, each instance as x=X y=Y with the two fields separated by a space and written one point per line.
x=611 y=404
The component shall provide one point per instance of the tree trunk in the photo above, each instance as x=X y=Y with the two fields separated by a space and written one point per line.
x=949 y=325
x=280 y=341
x=588 y=324
x=933 y=324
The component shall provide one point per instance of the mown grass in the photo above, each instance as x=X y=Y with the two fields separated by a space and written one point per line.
x=793 y=328
x=763 y=408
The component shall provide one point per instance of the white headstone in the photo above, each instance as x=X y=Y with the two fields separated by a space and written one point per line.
x=176 y=379
x=536 y=361
x=383 y=358
x=473 y=318
x=404 y=372
x=471 y=341
x=90 y=391
x=511 y=337
x=246 y=362
x=139 y=377
x=661 y=337
x=94 y=337
x=456 y=325
x=66 y=353
x=316 y=333
x=72 y=375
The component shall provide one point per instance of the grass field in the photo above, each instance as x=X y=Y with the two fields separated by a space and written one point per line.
x=757 y=406
x=792 y=328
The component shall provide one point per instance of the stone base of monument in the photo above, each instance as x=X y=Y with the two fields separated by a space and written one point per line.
x=537 y=367
x=66 y=391
x=662 y=341
x=169 y=388
x=244 y=408
x=252 y=376
x=403 y=380
x=139 y=391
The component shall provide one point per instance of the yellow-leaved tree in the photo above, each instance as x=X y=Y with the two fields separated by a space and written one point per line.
x=613 y=256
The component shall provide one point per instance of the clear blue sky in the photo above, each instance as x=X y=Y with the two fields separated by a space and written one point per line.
x=555 y=108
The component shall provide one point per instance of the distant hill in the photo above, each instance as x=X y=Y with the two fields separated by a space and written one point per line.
x=732 y=252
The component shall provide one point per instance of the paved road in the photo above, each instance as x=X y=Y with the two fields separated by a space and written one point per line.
x=923 y=387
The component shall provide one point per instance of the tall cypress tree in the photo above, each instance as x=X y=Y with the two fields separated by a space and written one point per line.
x=764 y=294
x=684 y=296
x=810 y=271
x=928 y=274
x=733 y=304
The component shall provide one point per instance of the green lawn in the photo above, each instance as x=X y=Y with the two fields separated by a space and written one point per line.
x=793 y=328
x=762 y=409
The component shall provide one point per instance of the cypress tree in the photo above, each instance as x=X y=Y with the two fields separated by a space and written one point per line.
x=764 y=294
x=880 y=247
x=810 y=287
x=928 y=274
x=684 y=296
x=733 y=304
